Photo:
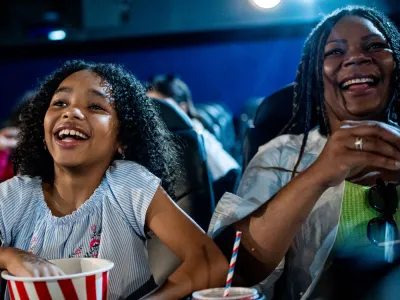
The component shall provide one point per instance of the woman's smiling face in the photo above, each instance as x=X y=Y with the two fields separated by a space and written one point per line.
x=357 y=71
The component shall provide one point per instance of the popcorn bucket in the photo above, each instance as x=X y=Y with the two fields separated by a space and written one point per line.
x=85 y=279
x=235 y=293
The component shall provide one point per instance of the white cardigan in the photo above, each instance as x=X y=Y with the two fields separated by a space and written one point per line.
x=311 y=246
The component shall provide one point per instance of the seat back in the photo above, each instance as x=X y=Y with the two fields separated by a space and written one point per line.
x=271 y=117
x=194 y=196
x=225 y=121
x=223 y=127
x=273 y=114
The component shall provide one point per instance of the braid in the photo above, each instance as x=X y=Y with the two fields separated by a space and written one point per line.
x=306 y=83
x=322 y=114
x=308 y=103
x=297 y=95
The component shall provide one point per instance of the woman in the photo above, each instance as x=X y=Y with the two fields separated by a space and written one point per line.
x=293 y=189
x=95 y=164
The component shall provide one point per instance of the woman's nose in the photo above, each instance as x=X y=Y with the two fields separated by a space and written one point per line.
x=356 y=57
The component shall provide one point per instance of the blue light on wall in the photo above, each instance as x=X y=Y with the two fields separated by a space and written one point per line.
x=57 y=35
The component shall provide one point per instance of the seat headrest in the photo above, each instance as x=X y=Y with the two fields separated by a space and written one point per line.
x=277 y=106
x=173 y=116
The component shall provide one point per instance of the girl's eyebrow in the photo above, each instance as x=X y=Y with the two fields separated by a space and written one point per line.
x=63 y=89
x=98 y=93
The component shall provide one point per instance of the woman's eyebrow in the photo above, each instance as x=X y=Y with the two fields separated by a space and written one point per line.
x=369 y=36
x=339 y=41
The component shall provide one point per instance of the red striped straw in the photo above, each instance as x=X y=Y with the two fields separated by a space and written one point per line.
x=232 y=263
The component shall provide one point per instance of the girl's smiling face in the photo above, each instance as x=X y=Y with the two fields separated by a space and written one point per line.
x=81 y=124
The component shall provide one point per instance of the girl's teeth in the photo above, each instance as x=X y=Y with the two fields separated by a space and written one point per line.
x=66 y=132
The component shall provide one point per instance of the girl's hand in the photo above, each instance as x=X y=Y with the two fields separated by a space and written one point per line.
x=23 y=264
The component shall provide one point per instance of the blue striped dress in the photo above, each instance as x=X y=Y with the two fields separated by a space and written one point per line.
x=109 y=225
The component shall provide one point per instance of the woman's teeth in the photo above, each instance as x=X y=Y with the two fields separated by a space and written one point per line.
x=357 y=81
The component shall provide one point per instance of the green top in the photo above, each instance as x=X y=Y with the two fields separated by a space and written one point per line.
x=355 y=215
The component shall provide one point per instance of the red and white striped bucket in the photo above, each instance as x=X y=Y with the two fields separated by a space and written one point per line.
x=86 y=279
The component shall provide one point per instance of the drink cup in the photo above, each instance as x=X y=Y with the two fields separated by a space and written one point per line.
x=85 y=279
x=235 y=293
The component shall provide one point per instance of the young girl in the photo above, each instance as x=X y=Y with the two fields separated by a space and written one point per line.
x=92 y=156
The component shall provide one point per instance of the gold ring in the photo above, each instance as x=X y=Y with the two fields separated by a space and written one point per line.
x=359 y=144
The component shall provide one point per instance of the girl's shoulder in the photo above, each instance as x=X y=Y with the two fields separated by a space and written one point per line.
x=20 y=193
x=130 y=173
x=130 y=188
x=19 y=187
x=20 y=197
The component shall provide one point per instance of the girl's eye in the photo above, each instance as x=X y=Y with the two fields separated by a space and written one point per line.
x=334 y=52
x=95 y=107
x=59 y=103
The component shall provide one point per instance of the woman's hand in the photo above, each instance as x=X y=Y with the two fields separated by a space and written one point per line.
x=23 y=264
x=341 y=160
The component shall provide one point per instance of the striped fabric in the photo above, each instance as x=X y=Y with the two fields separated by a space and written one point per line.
x=109 y=225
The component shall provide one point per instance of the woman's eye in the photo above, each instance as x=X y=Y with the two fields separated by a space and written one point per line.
x=334 y=52
x=376 y=46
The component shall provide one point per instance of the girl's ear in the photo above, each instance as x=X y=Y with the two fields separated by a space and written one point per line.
x=120 y=149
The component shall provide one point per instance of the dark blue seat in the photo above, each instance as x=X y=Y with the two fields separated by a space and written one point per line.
x=194 y=195
x=271 y=117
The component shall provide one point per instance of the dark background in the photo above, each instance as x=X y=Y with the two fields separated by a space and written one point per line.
x=226 y=50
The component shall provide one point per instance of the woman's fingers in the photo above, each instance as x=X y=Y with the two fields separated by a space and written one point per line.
x=373 y=145
x=374 y=129
x=372 y=159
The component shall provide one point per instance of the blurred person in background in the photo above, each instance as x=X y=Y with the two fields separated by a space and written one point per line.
x=9 y=138
x=173 y=90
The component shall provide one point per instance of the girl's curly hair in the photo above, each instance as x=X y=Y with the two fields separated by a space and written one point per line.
x=143 y=133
